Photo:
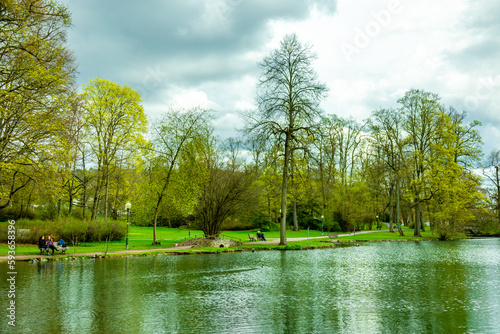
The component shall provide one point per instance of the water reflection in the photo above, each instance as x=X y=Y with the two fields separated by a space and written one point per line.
x=437 y=287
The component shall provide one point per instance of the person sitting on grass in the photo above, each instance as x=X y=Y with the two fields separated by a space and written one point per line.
x=50 y=245
x=260 y=236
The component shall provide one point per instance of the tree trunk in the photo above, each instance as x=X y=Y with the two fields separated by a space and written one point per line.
x=71 y=186
x=295 y=219
x=84 y=185
x=284 y=190
x=157 y=209
x=391 y=209
x=59 y=207
x=418 y=222
x=498 y=197
x=398 y=209
x=154 y=225
x=96 y=200
x=106 y=197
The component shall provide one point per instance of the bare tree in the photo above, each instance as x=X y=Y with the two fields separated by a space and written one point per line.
x=226 y=192
x=288 y=100
x=490 y=171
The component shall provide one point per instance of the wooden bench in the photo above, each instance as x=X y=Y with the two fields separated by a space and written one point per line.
x=251 y=237
x=333 y=235
x=62 y=249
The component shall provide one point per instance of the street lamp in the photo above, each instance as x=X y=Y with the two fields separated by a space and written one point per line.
x=322 y=219
x=127 y=206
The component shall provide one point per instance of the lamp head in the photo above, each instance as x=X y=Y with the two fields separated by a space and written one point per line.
x=128 y=206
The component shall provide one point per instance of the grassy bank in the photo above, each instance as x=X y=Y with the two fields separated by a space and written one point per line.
x=382 y=236
x=140 y=238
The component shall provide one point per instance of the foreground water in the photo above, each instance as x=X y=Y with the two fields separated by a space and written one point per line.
x=385 y=287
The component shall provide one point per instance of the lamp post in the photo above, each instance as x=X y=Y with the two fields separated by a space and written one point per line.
x=322 y=219
x=127 y=206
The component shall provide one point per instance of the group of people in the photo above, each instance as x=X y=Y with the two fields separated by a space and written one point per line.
x=49 y=244
x=260 y=236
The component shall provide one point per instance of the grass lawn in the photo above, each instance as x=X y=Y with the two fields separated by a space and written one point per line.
x=141 y=238
x=165 y=233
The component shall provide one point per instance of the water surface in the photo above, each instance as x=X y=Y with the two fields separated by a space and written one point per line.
x=384 y=287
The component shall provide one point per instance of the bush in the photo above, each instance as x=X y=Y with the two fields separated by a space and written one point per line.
x=69 y=229
x=238 y=225
x=345 y=226
x=332 y=227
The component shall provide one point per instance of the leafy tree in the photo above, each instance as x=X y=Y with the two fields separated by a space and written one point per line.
x=115 y=124
x=288 y=104
x=36 y=91
x=388 y=137
x=454 y=190
x=420 y=110
x=176 y=134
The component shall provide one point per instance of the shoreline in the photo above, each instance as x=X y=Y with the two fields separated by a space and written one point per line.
x=187 y=250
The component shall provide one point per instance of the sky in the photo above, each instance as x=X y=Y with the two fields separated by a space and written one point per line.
x=204 y=53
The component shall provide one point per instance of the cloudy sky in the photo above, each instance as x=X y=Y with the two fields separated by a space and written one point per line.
x=194 y=52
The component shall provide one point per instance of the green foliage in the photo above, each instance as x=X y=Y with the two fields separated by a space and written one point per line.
x=36 y=95
x=69 y=229
x=331 y=226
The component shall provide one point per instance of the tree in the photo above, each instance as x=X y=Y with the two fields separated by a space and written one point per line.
x=225 y=192
x=175 y=132
x=36 y=91
x=454 y=190
x=115 y=124
x=288 y=100
x=490 y=171
x=420 y=110
x=388 y=137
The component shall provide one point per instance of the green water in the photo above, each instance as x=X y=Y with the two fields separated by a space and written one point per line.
x=385 y=287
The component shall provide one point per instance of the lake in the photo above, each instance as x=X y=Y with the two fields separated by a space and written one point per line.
x=379 y=287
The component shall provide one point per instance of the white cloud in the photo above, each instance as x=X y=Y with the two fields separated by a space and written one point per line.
x=447 y=47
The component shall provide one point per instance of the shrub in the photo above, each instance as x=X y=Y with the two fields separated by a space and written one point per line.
x=68 y=228
x=332 y=227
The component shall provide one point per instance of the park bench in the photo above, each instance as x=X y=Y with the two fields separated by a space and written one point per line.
x=62 y=249
x=251 y=237
x=333 y=235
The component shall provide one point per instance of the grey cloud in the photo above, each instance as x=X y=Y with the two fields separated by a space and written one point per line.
x=149 y=44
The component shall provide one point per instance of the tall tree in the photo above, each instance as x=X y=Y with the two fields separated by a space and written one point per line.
x=36 y=90
x=175 y=132
x=455 y=191
x=115 y=126
x=490 y=171
x=288 y=100
x=421 y=110
x=388 y=136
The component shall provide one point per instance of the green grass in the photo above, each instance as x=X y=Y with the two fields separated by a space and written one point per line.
x=165 y=233
x=140 y=238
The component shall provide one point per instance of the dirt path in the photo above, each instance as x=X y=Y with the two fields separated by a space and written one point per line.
x=276 y=241
x=129 y=251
